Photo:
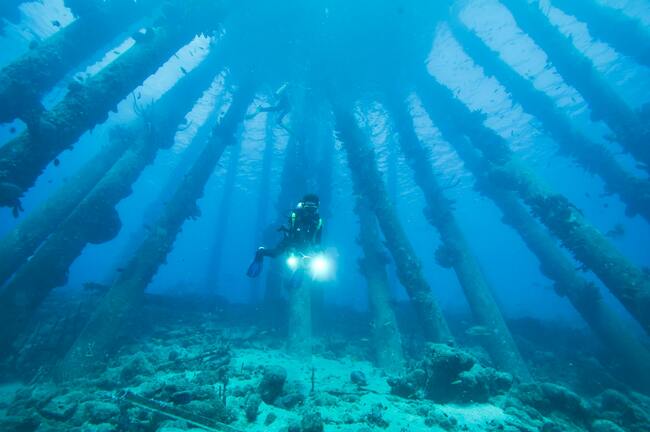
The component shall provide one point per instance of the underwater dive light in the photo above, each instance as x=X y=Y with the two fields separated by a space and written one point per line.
x=292 y=262
x=320 y=267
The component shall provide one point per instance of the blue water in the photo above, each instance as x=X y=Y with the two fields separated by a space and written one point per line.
x=516 y=280
x=357 y=47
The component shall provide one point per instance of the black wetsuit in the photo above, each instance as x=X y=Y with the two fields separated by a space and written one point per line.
x=304 y=232
x=282 y=108
x=302 y=236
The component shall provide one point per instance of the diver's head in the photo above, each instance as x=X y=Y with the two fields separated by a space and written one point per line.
x=309 y=202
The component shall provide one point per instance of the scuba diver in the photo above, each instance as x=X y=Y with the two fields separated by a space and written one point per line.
x=303 y=236
x=283 y=107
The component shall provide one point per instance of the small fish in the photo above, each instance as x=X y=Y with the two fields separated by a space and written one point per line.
x=95 y=287
x=479 y=331
x=12 y=130
x=582 y=267
x=56 y=23
x=57 y=162
x=183 y=70
x=616 y=232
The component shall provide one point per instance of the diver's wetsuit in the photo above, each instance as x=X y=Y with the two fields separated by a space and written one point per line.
x=282 y=108
x=304 y=232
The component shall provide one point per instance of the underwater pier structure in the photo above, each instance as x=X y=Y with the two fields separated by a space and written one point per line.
x=22 y=241
x=626 y=281
x=454 y=252
x=94 y=219
x=369 y=184
x=624 y=34
x=352 y=130
x=583 y=294
x=578 y=71
x=88 y=104
x=291 y=183
x=593 y=157
x=223 y=218
x=387 y=339
x=25 y=81
x=105 y=325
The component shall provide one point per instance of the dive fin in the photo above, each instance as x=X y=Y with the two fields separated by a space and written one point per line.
x=256 y=266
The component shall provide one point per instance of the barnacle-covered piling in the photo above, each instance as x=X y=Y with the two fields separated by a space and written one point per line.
x=22 y=241
x=626 y=281
x=87 y=104
x=455 y=252
x=585 y=296
x=591 y=156
x=387 y=341
x=94 y=219
x=94 y=343
x=299 y=324
x=26 y=80
x=223 y=219
x=579 y=72
x=369 y=185
x=292 y=183
x=626 y=35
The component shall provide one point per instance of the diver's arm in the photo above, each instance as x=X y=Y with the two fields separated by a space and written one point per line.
x=270 y=108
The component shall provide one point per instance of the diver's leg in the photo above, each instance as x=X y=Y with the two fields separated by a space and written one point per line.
x=260 y=109
x=257 y=265
x=255 y=268
x=280 y=122
x=278 y=250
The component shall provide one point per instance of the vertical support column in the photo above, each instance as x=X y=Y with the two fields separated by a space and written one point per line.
x=24 y=158
x=22 y=241
x=95 y=343
x=290 y=186
x=582 y=294
x=299 y=337
x=223 y=218
x=369 y=184
x=578 y=71
x=95 y=219
x=625 y=280
x=455 y=252
x=626 y=35
x=387 y=340
x=593 y=157
x=26 y=80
